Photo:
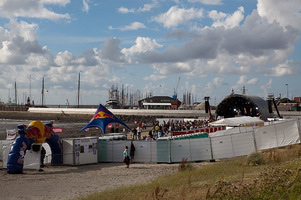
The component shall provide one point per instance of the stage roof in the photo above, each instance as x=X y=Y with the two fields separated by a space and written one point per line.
x=236 y=104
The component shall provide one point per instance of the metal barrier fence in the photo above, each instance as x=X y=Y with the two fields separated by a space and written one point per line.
x=235 y=142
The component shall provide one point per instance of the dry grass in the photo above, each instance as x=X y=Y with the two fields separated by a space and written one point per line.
x=277 y=175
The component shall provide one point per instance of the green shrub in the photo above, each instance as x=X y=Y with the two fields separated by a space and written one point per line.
x=255 y=159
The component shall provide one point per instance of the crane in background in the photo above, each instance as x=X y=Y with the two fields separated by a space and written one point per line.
x=175 y=95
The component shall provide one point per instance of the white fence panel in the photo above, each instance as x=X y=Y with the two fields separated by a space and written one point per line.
x=32 y=160
x=180 y=149
x=265 y=137
x=287 y=133
x=231 y=131
x=231 y=143
x=3 y=145
x=222 y=147
x=243 y=144
x=5 y=151
x=110 y=151
x=200 y=149
x=118 y=148
x=145 y=151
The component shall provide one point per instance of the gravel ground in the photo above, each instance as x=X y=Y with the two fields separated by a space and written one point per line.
x=69 y=182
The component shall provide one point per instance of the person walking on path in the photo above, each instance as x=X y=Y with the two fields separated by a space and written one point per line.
x=132 y=153
x=126 y=157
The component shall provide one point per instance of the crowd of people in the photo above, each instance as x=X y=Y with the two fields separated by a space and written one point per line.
x=159 y=130
x=166 y=128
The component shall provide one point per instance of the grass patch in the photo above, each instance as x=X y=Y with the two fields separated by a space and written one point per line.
x=271 y=174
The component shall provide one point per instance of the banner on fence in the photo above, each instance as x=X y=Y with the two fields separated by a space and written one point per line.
x=11 y=134
x=58 y=130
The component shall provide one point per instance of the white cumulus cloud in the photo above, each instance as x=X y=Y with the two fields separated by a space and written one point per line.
x=142 y=45
x=227 y=20
x=176 y=16
x=32 y=9
x=133 y=26
x=207 y=2
x=124 y=10
x=154 y=77
x=284 y=12
x=284 y=69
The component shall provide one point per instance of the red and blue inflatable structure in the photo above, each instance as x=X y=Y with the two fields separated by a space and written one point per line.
x=35 y=132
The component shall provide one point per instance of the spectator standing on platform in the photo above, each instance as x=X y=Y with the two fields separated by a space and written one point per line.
x=157 y=128
x=134 y=134
x=150 y=134
x=144 y=125
x=139 y=130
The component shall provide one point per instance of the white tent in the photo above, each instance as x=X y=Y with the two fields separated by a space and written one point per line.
x=237 y=121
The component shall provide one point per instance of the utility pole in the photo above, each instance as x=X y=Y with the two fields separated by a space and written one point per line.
x=43 y=91
x=16 y=102
x=78 y=89
x=287 y=92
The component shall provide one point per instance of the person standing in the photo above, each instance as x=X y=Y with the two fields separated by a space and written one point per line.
x=139 y=130
x=43 y=154
x=132 y=153
x=134 y=134
x=126 y=157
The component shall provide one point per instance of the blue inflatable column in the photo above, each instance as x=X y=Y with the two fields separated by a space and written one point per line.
x=56 y=150
x=17 y=153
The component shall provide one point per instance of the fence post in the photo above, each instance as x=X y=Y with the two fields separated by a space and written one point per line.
x=169 y=150
x=276 y=135
x=151 y=152
x=190 y=150
x=212 y=159
x=298 y=127
x=232 y=144
x=254 y=140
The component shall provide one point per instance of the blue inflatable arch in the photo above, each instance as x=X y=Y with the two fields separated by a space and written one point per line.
x=23 y=143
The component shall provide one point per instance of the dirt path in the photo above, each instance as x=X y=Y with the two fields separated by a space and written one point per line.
x=69 y=182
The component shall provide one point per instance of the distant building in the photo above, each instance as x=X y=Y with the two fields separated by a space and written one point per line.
x=297 y=99
x=291 y=105
x=159 y=102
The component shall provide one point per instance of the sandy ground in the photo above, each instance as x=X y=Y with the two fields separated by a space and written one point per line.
x=69 y=182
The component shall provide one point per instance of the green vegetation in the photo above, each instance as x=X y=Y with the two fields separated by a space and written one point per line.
x=271 y=174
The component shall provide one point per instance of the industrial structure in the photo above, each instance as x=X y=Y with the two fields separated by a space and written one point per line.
x=125 y=98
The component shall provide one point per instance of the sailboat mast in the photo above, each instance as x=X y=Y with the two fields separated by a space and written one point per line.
x=16 y=102
x=29 y=86
x=78 y=89
x=43 y=92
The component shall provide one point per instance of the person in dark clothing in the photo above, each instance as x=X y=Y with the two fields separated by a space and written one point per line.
x=150 y=134
x=43 y=154
x=132 y=152
x=135 y=134
x=126 y=157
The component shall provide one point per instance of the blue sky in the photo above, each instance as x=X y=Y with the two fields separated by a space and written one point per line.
x=213 y=45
